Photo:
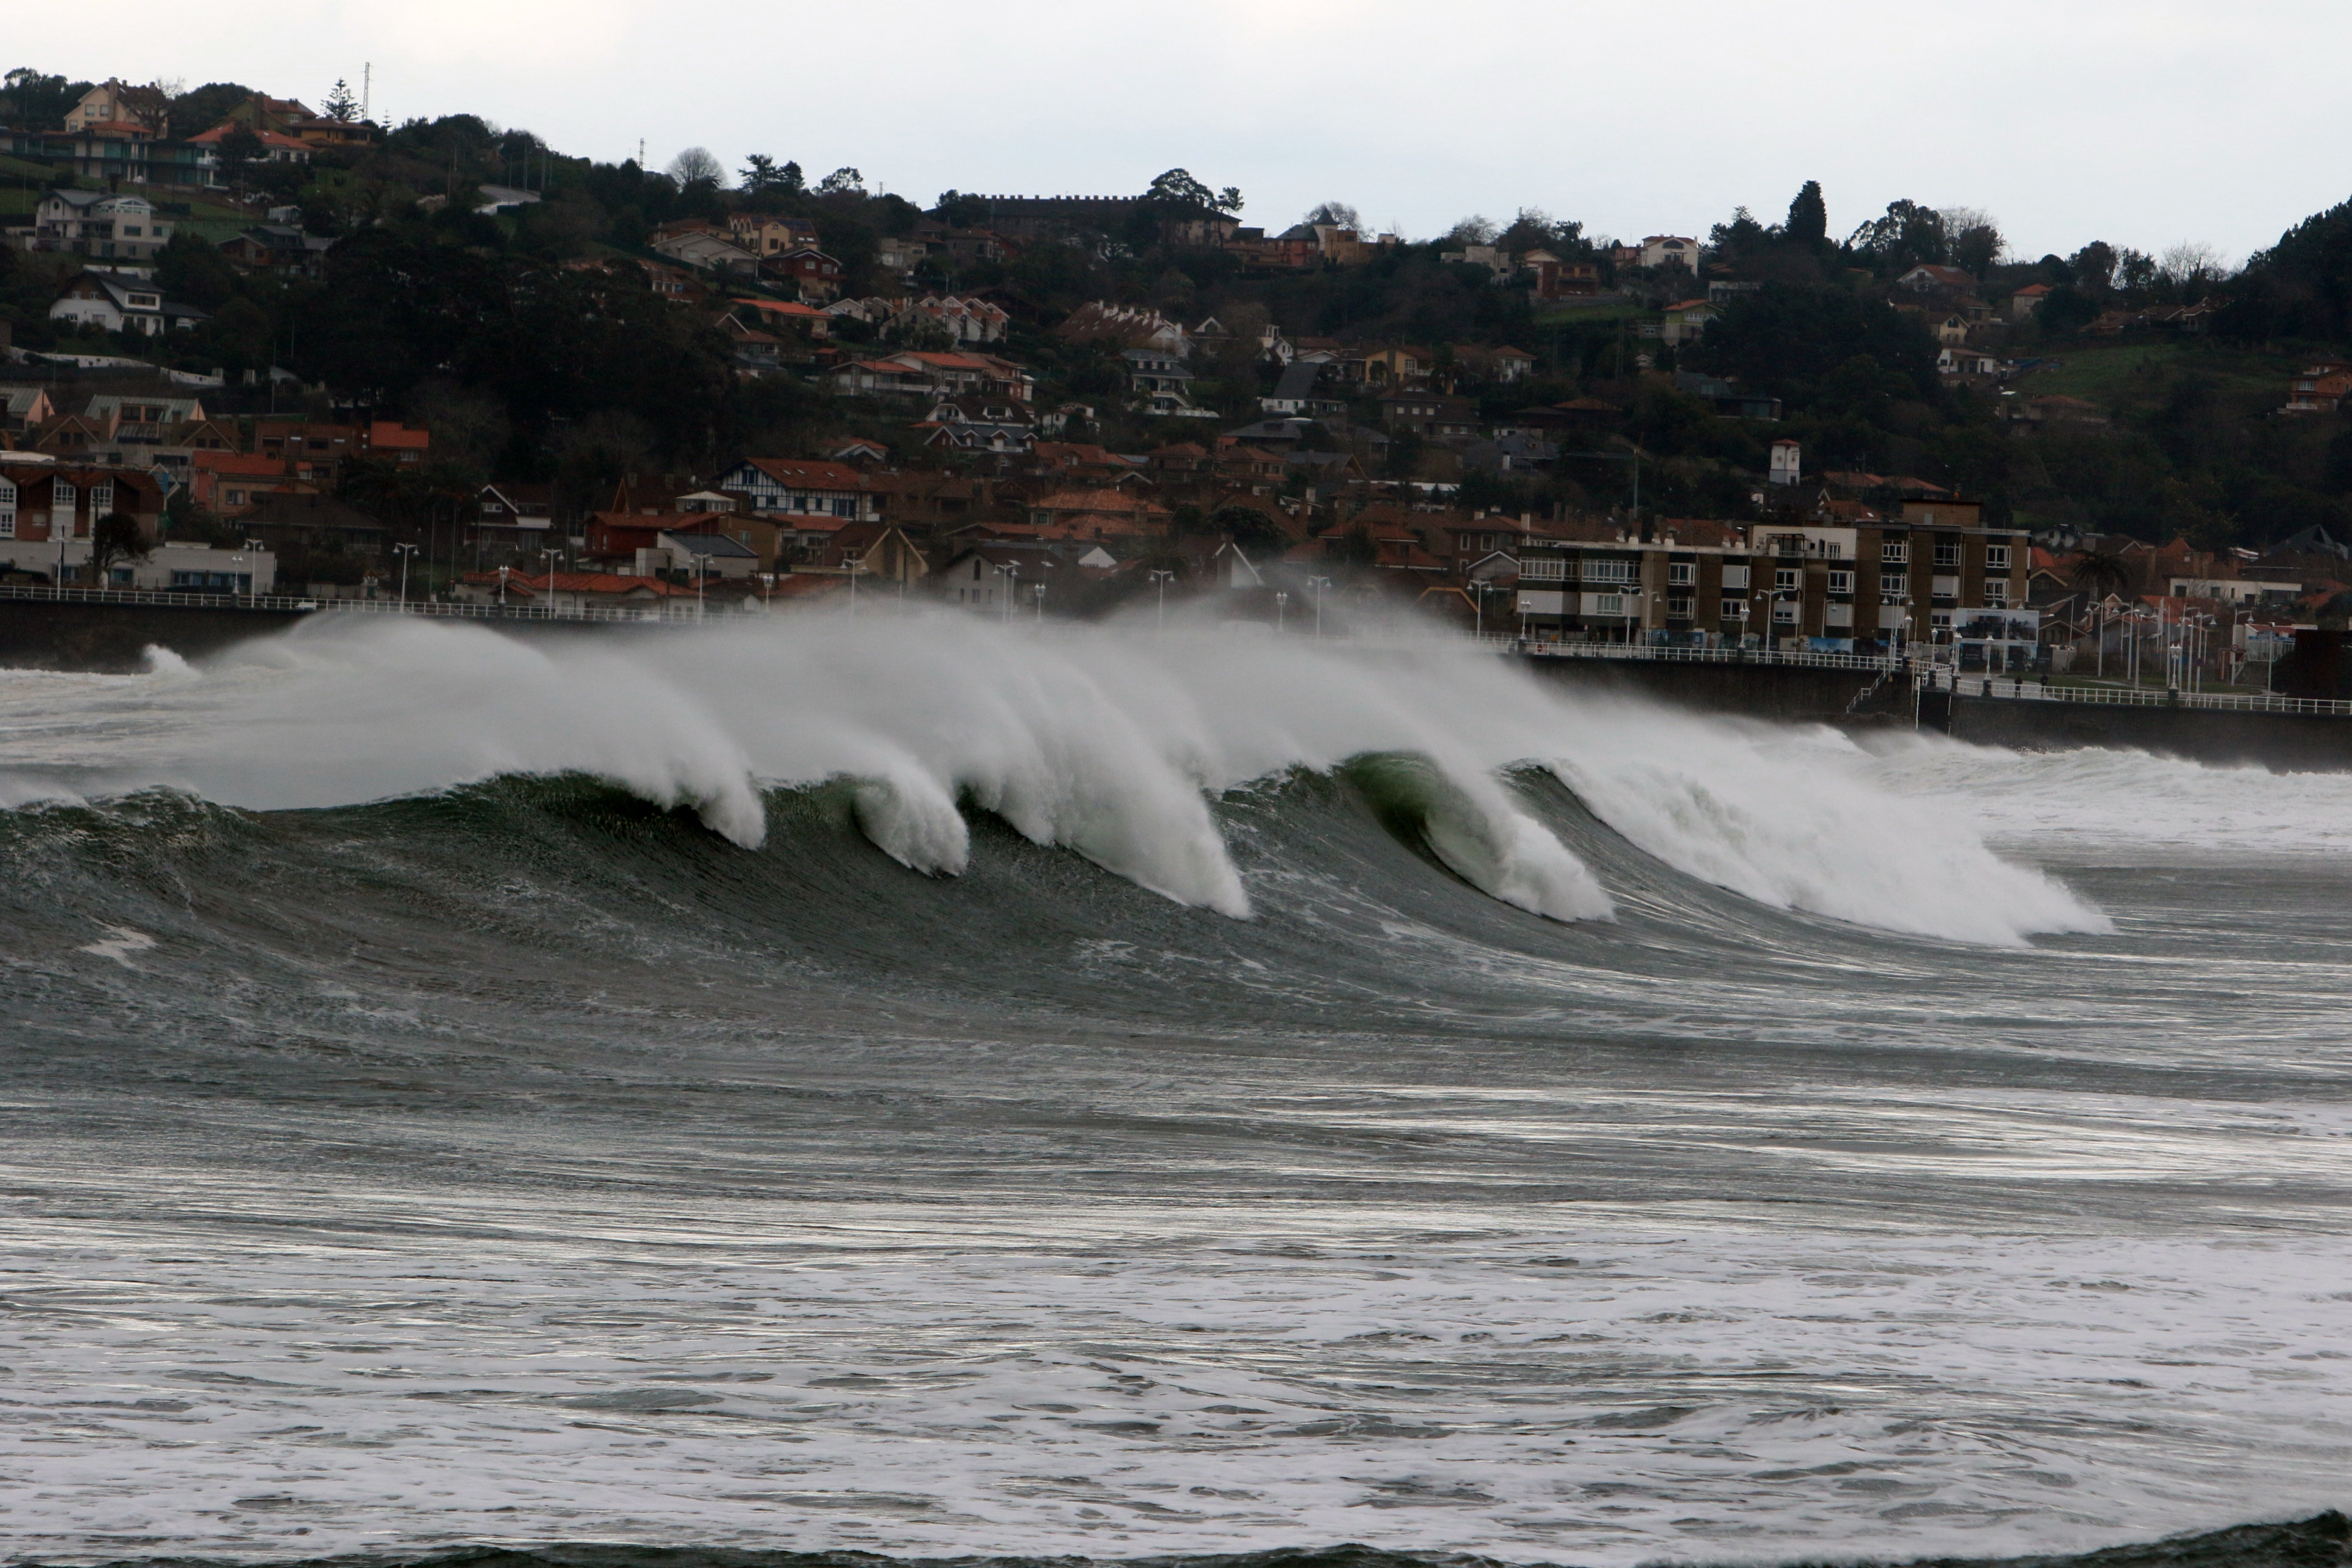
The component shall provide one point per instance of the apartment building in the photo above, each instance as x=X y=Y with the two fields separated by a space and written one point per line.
x=1933 y=573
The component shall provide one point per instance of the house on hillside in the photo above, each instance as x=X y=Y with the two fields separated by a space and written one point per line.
x=1687 y=320
x=795 y=487
x=101 y=226
x=817 y=275
x=1669 y=250
x=1929 y=278
x=119 y=302
x=278 y=246
x=707 y=251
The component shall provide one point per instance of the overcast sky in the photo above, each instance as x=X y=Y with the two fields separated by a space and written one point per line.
x=2143 y=123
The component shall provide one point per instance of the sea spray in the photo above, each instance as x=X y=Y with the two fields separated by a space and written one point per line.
x=1110 y=742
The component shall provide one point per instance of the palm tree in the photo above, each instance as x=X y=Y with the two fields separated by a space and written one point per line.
x=2100 y=572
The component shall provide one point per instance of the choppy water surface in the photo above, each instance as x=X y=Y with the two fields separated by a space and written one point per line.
x=911 y=1089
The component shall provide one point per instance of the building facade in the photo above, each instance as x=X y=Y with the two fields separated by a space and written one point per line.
x=1932 y=575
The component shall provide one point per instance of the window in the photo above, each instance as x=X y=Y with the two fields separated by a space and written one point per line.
x=1678 y=608
x=1608 y=571
x=1784 y=612
x=1734 y=609
x=1947 y=553
x=102 y=499
x=1840 y=582
x=1996 y=594
x=1893 y=582
x=1996 y=557
x=1735 y=577
x=1785 y=578
x=1607 y=603
x=1681 y=573
x=1895 y=550
x=1832 y=549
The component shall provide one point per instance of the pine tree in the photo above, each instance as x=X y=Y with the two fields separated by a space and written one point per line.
x=1809 y=216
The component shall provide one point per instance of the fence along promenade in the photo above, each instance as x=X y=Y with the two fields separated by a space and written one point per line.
x=1925 y=674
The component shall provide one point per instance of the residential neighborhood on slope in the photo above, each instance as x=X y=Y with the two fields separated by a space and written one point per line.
x=256 y=348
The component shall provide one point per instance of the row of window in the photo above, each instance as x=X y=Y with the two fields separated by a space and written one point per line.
x=1683 y=573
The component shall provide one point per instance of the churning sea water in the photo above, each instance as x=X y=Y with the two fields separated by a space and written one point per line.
x=909 y=1088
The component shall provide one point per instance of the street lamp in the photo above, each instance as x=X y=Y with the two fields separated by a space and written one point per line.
x=1011 y=569
x=857 y=568
x=1039 y=589
x=405 y=551
x=1318 y=584
x=502 y=585
x=1160 y=579
x=549 y=553
x=1281 y=612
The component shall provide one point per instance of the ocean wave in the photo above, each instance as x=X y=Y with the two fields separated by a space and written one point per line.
x=1110 y=744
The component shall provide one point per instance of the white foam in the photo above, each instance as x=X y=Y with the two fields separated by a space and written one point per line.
x=1104 y=741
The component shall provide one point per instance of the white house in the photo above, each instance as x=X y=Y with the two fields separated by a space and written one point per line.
x=115 y=302
x=1670 y=251
x=798 y=488
x=94 y=224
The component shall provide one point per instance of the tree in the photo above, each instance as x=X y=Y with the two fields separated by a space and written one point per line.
x=1809 y=216
x=1789 y=340
x=958 y=210
x=150 y=105
x=759 y=174
x=37 y=101
x=2093 y=266
x=203 y=107
x=1249 y=528
x=1977 y=244
x=1177 y=189
x=1229 y=200
x=341 y=103
x=841 y=182
x=2101 y=573
x=1337 y=214
x=239 y=152
x=1908 y=236
x=114 y=537
x=696 y=166
x=189 y=268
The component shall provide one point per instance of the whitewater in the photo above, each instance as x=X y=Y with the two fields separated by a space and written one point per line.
x=930 y=1088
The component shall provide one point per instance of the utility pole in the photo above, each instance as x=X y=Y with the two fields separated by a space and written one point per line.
x=367 y=88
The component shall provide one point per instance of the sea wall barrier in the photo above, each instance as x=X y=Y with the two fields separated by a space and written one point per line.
x=110 y=629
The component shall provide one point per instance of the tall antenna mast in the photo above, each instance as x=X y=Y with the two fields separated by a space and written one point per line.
x=367 y=87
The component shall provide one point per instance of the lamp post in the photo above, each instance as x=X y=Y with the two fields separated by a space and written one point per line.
x=1160 y=578
x=856 y=569
x=1039 y=590
x=502 y=585
x=405 y=551
x=1281 y=612
x=1011 y=572
x=1318 y=584
x=549 y=553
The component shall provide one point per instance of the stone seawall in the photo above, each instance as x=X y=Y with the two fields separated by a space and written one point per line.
x=2283 y=742
x=1791 y=693
x=113 y=638
x=39 y=634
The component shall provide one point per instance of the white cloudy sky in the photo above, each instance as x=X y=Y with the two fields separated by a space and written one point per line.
x=2139 y=121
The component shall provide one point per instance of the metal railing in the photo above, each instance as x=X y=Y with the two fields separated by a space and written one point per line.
x=1668 y=654
x=171 y=598
x=2009 y=688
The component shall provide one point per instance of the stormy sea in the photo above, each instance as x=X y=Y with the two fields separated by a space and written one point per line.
x=916 y=1088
